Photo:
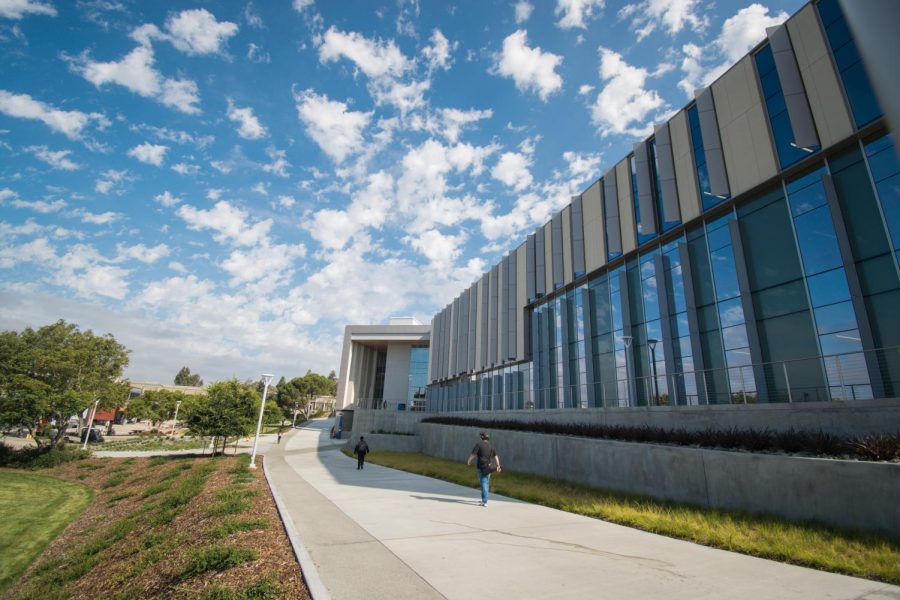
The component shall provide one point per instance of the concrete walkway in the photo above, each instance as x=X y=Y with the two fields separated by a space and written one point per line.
x=382 y=533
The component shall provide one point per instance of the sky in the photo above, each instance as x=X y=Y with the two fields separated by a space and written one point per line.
x=226 y=185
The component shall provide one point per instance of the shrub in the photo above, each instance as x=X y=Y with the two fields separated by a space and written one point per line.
x=216 y=558
x=40 y=458
x=235 y=525
x=877 y=447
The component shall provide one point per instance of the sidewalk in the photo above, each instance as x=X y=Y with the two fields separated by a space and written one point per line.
x=382 y=533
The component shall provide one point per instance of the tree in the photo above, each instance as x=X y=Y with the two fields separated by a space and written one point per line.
x=55 y=372
x=309 y=387
x=184 y=377
x=227 y=410
x=155 y=405
x=332 y=378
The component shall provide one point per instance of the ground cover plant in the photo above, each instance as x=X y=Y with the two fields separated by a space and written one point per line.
x=157 y=443
x=811 y=545
x=33 y=510
x=817 y=443
x=150 y=535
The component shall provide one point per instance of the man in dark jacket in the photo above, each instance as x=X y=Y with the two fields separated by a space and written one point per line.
x=361 y=449
x=488 y=462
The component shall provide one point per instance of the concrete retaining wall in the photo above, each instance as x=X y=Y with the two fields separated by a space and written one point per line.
x=389 y=443
x=367 y=421
x=841 y=418
x=850 y=494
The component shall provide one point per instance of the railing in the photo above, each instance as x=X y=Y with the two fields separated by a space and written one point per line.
x=861 y=375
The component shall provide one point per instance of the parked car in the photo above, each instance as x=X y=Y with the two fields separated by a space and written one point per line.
x=95 y=435
x=17 y=432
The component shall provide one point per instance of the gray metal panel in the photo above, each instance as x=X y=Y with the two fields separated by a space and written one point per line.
x=663 y=288
x=529 y=267
x=533 y=318
x=492 y=326
x=511 y=307
x=792 y=86
x=645 y=187
x=454 y=336
x=712 y=143
x=624 y=295
x=503 y=318
x=740 y=264
x=566 y=372
x=856 y=295
x=665 y=165
x=473 y=327
x=578 y=268
x=540 y=284
x=546 y=332
x=589 y=375
x=557 y=240
x=611 y=211
x=690 y=301
x=432 y=341
x=485 y=320
x=462 y=339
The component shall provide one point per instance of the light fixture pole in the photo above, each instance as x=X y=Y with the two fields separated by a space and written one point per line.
x=652 y=343
x=177 y=406
x=267 y=378
x=87 y=433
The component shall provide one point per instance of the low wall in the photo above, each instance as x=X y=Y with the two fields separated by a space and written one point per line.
x=849 y=494
x=367 y=421
x=389 y=443
x=841 y=418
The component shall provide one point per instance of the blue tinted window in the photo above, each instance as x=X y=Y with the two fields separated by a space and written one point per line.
x=856 y=83
x=725 y=273
x=660 y=211
x=828 y=288
x=709 y=200
x=731 y=312
x=818 y=243
x=886 y=172
x=641 y=236
x=776 y=108
x=835 y=317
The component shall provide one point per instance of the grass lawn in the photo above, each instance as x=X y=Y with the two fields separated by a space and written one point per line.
x=811 y=545
x=33 y=510
x=156 y=443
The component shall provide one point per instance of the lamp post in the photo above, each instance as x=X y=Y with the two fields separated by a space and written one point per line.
x=631 y=393
x=652 y=343
x=87 y=433
x=267 y=378
x=177 y=406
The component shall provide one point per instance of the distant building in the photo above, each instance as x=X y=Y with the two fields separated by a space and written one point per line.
x=139 y=387
x=384 y=366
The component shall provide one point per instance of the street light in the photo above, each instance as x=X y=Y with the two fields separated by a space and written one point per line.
x=652 y=343
x=267 y=378
x=87 y=433
x=177 y=406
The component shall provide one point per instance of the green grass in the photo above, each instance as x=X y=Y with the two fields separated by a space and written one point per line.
x=264 y=589
x=230 y=526
x=811 y=545
x=230 y=501
x=158 y=443
x=33 y=510
x=216 y=558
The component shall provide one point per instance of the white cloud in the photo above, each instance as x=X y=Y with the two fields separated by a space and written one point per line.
x=109 y=180
x=36 y=251
x=136 y=73
x=512 y=170
x=455 y=120
x=185 y=169
x=41 y=206
x=141 y=253
x=177 y=267
x=250 y=128
x=104 y=218
x=57 y=159
x=336 y=129
x=275 y=261
x=299 y=5
x=369 y=207
x=585 y=89
x=70 y=123
x=279 y=164
x=6 y=194
x=671 y=15
x=622 y=106
x=229 y=222
x=286 y=201
x=576 y=12
x=193 y=32
x=523 y=11
x=152 y=154
x=583 y=167
x=257 y=54
x=18 y=9
x=440 y=249
x=530 y=68
x=167 y=199
x=438 y=53
x=702 y=65
x=260 y=188
x=252 y=17
x=374 y=58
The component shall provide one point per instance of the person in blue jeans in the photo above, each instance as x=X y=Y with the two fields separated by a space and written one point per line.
x=487 y=458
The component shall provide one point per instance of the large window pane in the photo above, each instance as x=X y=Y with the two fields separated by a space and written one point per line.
x=818 y=242
x=835 y=317
x=828 y=288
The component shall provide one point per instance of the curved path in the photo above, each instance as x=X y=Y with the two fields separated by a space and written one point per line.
x=382 y=533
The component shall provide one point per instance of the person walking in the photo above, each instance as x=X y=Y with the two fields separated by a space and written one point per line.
x=488 y=462
x=361 y=449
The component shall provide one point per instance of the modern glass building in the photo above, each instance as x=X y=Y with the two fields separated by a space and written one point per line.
x=747 y=252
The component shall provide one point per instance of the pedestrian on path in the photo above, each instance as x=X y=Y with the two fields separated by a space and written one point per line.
x=488 y=462
x=361 y=449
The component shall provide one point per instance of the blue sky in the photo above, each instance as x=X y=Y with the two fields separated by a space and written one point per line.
x=225 y=185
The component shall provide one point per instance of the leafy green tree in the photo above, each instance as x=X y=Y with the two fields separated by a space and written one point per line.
x=227 y=410
x=184 y=377
x=55 y=372
x=155 y=405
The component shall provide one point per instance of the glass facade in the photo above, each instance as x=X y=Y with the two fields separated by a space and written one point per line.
x=418 y=377
x=788 y=293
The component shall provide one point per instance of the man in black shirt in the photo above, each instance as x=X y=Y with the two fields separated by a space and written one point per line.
x=488 y=462
x=361 y=449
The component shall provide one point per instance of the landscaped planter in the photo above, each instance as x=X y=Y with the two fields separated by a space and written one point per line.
x=850 y=494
